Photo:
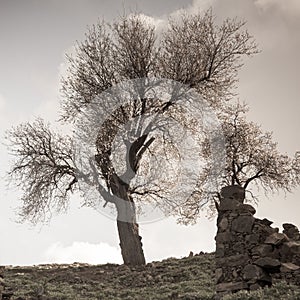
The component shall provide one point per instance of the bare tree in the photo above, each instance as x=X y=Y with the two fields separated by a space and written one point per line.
x=254 y=155
x=192 y=51
x=253 y=161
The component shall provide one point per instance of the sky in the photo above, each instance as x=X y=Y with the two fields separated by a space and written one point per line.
x=34 y=37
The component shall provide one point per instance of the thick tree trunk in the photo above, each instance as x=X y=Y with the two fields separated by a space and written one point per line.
x=130 y=243
x=128 y=229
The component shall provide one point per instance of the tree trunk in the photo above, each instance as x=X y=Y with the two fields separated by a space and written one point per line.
x=128 y=229
x=130 y=243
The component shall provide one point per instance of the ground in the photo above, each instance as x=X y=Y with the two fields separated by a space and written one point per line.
x=189 y=278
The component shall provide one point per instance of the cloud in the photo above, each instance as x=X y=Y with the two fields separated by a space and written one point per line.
x=289 y=7
x=195 y=7
x=156 y=22
x=83 y=252
x=201 y=5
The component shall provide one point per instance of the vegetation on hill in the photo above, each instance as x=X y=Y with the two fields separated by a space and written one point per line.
x=189 y=278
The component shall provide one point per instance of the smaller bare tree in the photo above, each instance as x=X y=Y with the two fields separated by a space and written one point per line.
x=253 y=162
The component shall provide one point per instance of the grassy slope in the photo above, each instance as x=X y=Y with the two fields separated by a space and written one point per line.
x=188 y=278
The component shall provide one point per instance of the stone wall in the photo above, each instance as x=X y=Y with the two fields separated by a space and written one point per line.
x=250 y=253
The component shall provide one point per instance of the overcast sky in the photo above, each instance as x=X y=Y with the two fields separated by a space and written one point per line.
x=35 y=35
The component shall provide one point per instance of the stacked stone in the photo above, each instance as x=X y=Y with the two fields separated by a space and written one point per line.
x=289 y=255
x=235 y=223
x=250 y=253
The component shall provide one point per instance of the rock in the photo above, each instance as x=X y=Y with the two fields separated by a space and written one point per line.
x=223 y=237
x=233 y=192
x=223 y=225
x=276 y=239
x=243 y=224
x=288 y=267
x=262 y=230
x=288 y=226
x=252 y=238
x=239 y=247
x=262 y=250
x=233 y=260
x=291 y=231
x=227 y=204
x=253 y=273
x=231 y=286
x=294 y=246
x=289 y=249
x=246 y=208
x=266 y=222
x=270 y=264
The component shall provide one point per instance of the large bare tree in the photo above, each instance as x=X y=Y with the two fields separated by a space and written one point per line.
x=193 y=51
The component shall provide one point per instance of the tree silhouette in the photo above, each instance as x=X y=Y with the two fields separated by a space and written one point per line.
x=192 y=51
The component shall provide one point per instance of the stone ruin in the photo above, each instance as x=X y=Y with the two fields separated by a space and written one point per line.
x=251 y=254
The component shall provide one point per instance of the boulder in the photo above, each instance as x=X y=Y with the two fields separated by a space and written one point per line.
x=227 y=204
x=253 y=273
x=291 y=231
x=288 y=249
x=243 y=224
x=288 y=267
x=233 y=192
x=276 y=239
x=263 y=230
x=252 y=238
x=272 y=265
x=262 y=250
x=223 y=237
x=246 y=208
x=266 y=222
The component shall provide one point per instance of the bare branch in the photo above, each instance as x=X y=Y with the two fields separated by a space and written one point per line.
x=44 y=168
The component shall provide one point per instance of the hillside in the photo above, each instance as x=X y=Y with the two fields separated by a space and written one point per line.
x=188 y=278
